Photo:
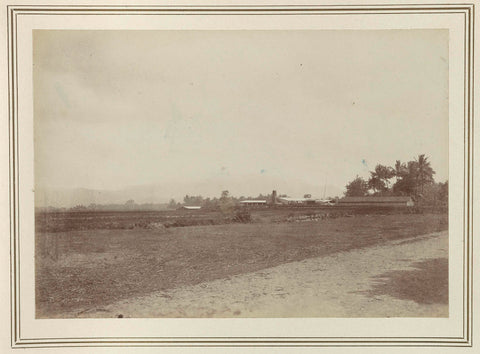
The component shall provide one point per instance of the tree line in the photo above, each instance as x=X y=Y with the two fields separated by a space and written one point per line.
x=413 y=178
x=223 y=202
x=225 y=199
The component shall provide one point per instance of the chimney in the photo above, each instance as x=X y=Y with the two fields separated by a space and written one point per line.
x=274 y=197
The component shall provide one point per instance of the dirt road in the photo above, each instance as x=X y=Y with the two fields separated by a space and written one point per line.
x=406 y=278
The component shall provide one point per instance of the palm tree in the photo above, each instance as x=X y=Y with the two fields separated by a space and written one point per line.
x=424 y=173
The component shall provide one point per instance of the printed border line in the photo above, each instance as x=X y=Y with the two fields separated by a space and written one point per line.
x=234 y=9
x=13 y=139
x=13 y=11
x=470 y=186
x=238 y=10
x=11 y=179
x=243 y=8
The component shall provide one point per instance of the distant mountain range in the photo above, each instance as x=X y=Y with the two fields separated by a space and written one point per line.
x=161 y=193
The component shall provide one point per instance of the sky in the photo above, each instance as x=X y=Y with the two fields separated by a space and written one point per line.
x=114 y=109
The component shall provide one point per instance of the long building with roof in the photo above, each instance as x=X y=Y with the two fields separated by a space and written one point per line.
x=377 y=201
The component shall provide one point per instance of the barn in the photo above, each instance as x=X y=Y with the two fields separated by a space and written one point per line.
x=376 y=201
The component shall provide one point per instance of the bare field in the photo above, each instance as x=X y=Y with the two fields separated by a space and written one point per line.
x=344 y=284
x=81 y=269
x=93 y=220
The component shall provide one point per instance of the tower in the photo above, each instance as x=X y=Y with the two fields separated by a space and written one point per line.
x=274 y=197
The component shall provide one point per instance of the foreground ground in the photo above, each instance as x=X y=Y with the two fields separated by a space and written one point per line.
x=81 y=272
x=347 y=284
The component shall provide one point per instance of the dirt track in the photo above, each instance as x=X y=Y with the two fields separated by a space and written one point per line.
x=345 y=284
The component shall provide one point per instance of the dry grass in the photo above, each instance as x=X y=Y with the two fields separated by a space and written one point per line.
x=93 y=268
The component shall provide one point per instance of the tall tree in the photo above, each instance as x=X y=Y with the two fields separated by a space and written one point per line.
x=443 y=195
x=413 y=176
x=380 y=178
x=357 y=188
x=424 y=172
x=193 y=200
x=400 y=169
x=375 y=184
x=226 y=203
x=406 y=180
x=172 y=204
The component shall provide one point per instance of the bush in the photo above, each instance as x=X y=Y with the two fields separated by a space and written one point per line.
x=242 y=216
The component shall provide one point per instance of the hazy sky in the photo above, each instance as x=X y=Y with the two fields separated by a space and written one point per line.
x=123 y=108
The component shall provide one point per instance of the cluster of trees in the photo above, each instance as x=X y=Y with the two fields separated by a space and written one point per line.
x=413 y=178
x=224 y=201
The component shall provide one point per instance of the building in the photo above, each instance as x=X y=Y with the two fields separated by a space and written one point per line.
x=253 y=202
x=190 y=207
x=297 y=201
x=376 y=201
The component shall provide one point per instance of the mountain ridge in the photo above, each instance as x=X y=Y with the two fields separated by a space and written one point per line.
x=247 y=186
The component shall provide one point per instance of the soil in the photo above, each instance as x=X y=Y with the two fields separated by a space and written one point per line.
x=400 y=278
x=80 y=270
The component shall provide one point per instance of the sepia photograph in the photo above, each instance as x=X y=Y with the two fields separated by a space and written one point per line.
x=251 y=177
x=292 y=173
